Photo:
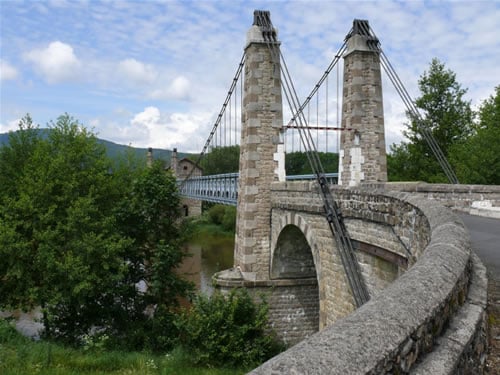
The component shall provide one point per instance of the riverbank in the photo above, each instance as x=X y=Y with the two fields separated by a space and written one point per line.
x=20 y=355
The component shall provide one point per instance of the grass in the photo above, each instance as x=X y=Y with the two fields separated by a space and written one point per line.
x=22 y=356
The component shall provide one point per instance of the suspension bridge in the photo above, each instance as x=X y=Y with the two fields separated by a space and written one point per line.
x=322 y=246
x=253 y=112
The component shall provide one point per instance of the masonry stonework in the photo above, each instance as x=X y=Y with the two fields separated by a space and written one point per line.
x=262 y=122
x=362 y=156
x=181 y=169
x=431 y=319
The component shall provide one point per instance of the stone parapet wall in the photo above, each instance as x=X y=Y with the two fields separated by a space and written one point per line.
x=440 y=299
x=481 y=200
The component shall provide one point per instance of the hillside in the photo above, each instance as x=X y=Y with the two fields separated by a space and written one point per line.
x=114 y=149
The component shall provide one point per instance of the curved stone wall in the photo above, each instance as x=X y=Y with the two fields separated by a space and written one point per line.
x=481 y=200
x=441 y=298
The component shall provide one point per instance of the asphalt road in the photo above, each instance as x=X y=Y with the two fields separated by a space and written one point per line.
x=485 y=240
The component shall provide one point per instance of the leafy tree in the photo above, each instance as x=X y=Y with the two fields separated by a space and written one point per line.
x=149 y=215
x=79 y=235
x=57 y=233
x=297 y=163
x=478 y=158
x=445 y=113
x=221 y=160
x=16 y=154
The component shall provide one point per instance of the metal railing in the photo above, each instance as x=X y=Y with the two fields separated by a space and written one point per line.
x=223 y=188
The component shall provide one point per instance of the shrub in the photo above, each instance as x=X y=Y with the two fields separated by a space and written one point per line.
x=229 y=219
x=227 y=331
x=216 y=214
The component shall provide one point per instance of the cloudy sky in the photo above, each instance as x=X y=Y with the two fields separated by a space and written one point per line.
x=155 y=73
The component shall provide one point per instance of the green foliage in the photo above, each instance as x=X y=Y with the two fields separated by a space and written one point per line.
x=229 y=219
x=223 y=216
x=478 y=158
x=149 y=215
x=297 y=163
x=78 y=233
x=57 y=231
x=216 y=214
x=19 y=355
x=445 y=113
x=227 y=330
x=221 y=160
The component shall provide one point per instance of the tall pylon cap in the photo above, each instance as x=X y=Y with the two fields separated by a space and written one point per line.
x=361 y=38
x=262 y=30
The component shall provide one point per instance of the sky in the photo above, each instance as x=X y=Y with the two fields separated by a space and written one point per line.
x=156 y=73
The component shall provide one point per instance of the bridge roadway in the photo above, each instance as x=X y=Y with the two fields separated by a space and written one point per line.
x=485 y=241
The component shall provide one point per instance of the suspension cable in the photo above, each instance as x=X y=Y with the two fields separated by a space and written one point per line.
x=326 y=115
x=218 y=120
x=411 y=107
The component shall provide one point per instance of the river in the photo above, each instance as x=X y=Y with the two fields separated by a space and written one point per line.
x=209 y=254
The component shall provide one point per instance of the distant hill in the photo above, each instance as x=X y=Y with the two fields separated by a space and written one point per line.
x=114 y=149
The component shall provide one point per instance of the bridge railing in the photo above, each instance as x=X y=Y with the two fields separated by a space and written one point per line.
x=219 y=188
x=223 y=188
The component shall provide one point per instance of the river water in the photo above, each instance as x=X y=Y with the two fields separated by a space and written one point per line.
x=209 y=254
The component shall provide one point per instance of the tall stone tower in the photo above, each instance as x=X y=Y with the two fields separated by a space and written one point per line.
x=362 y=156
x=261 y=149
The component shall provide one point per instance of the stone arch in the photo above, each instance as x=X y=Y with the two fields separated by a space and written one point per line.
x=292 y=223
x=292 y=255
x=295 y=232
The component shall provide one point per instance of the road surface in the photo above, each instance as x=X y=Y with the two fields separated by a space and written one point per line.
x=485 y=240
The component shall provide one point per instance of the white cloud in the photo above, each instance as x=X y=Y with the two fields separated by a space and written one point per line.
x=178 y=90
x=7 y=71
x=56 y=63
x=10 y=126
x=151 y=128
x=137 y=71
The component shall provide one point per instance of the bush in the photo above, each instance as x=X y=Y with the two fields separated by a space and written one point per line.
x=224 y=216
x=216 y=214
x=227 y=331
x=229 y=219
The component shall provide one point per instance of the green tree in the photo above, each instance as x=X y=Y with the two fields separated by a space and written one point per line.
x=57 y=233
x=445 y=113
x=149 y=215
x=221 y=160
x=16 y=154
x=80 y=235
x=297 y=163
x=478 y=158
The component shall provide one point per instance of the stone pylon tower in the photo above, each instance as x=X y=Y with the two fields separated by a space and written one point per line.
x=362 y=156
x=261 y=150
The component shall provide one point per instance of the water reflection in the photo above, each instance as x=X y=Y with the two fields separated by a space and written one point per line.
x=209 y=254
